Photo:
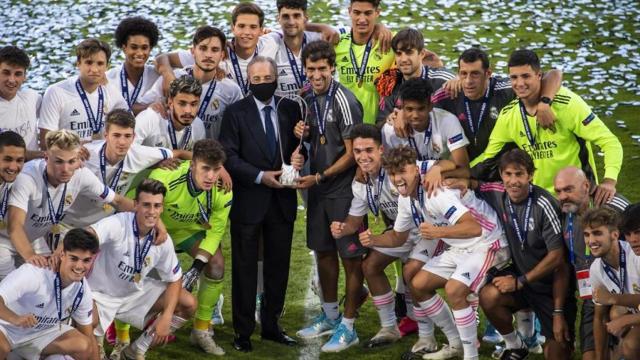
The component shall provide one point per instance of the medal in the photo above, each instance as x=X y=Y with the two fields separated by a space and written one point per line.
x=322 y=117
x=124 y=87
x=322 y=139
x=186 y=137
x=205 y=225
x=298 y=72
x=107 y=208
x=3 y=207
x=360 y=83
x=55 y=215
x=483 y=108
x=136 y=278
x=55 y=229
x=57 y=293
x=521 y=231
x=140 y=254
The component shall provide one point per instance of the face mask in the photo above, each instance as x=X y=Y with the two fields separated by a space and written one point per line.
x=264 y=91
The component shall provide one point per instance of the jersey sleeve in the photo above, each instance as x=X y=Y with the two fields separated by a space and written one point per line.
x=594 y=275
x=19 y=283
x=84 y=313
x=143 y=126
x=404 y=219
x=218 y=221
x=359 y=204
x=453 y=133
x=154 y=94
x=551 y=226
x=94 y=188
x=21 y=192
x=109 y=229
x=50 y=110
x=149 y=155
x=186 y=58
x=492 y=193
x=117 y=101
x=350 y=112
x=169 y=266
x=588 y=126
x=447 y=204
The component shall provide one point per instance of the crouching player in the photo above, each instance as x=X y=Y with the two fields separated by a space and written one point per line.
x=123 y=289
x=36 y=305
x=378 y=195
x=475 y=240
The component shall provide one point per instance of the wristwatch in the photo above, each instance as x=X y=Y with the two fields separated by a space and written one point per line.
x=546 y=100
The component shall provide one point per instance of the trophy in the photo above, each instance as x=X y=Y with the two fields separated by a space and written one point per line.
x=289 y=174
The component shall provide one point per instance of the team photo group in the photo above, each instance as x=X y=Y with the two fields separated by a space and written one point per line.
x=464 y=207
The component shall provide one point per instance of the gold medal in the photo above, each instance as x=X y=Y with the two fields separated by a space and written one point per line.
x=136 y=278
x=360 y=83
x=3 y=225
x=107 y=208
x=205 y=225
x=322 y=139
x=55 y=229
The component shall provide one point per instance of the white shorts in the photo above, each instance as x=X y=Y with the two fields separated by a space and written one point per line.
x=468 y=266
x=132 y=309
x=31 y=347
x=10 y=260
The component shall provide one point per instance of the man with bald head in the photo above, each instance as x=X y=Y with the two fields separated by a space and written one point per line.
x=573 y=190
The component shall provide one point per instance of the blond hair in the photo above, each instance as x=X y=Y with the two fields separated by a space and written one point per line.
x=62 y=139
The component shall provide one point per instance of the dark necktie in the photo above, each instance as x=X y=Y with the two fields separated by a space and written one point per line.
x=271 y=133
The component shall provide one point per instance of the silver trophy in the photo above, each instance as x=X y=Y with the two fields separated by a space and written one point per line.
x=289 y=174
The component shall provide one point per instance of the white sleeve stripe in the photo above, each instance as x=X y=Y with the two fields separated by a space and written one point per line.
x=344 y=106
x=551 y=215
x=502 y=86
x=619 y=203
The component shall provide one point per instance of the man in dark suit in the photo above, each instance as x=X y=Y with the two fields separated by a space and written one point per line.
x=255 y=131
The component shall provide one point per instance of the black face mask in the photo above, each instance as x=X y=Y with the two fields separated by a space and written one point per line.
x=264 y=91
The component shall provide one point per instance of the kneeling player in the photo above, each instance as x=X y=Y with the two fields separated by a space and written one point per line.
x=475 y=242
x=615 y=277
x=36 y=305
x=123 y=290
x=376 y=195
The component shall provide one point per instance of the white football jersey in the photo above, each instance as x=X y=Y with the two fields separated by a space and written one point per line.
x=86 y=210
x=153 y=130
x=29 y=194
x=599 y=277
x=5 y=191
x=149 y=77
x=446 y=136
x=30 y=290
x=287 y=84
x=113 y=269
x=62 y=107
x=20 y=115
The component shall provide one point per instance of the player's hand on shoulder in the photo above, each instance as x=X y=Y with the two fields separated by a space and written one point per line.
x=224 y=181
x=432 y=60
x=545 y=117
x=161 y=234
x=169 y=164
x=400 y=125
x=38 y=260
x=432 y=180
x=383 y=36
x=160 y=109
x=453 y=87
x=604 y=192
x=83 y=154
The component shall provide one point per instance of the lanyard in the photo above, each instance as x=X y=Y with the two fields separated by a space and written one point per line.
x=360 y=70
x=140 y=254
x=525 y=121
x=54 y=216
x=113 y=184
x=236 y=67
x=322 y=121
x=483 y=109
x=184 y=141
x=425 y=74
x=207 y=96
x=572 y=255
x=427 y=140
x=418 y=218
x=124 y=87
x=57 y=289
x=374 y=199
x=205 y=213
x=298 y=72
x=5 y=202
x=621 y=282
x=94 y=120
x=521 y=232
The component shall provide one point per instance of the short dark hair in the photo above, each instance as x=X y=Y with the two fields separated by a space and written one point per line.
x=366 y=131
x=15 y=56
x=150 y=186
x=11 y=138
x=631 y=219
x=90 y=46
x=136 y=25
x=524 y=57
x=80 y=239
x=247 y=8
x=395 y=159
x=292 y=4
x=474 y=54
x=205 y=32
x=120 y=117
x=375 y=3
x=407 y=39
x=210 y=151
x=318 y=50
x=417 y=89
x=601 y=216
x=185 y=84
x=519 y=158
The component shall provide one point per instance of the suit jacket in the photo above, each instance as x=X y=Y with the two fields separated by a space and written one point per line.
x=245 y=141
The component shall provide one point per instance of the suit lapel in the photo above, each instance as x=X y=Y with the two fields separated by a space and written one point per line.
x=255 y=126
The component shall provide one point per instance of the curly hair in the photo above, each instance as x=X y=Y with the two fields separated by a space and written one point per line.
x=395 y=159
x=136 y=25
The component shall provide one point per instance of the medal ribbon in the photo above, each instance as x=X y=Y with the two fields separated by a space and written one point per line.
x=140 y=254
x=418 y=218
x=236 y=67
x=113 y=184
x=483 y=108
x=54 y=215
x=57 y=289
x=186 y=137
x=298 y=72
x=94 y=120
x=521 y=232
x=427 y=139
x=5 y=202
x=525 y=121
x=621 y=282
x=322 y=121
x=124 y=88
x=374 y=199
x=205 y=213
x=360 y=70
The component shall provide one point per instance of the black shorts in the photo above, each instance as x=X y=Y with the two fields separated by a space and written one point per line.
x=321 y=211
x=587 y=342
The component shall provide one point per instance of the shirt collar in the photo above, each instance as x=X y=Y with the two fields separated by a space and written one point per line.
x=261 y=105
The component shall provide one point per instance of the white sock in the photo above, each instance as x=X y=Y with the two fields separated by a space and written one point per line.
x=468 y=330
x=525 y=321
x=409 y=301
x=260 y=286
x=512 y=340
x=348 y=323
x=425 y=328
x=438 y=311
x=331 y=310
x=385 y=304
x=143 y=343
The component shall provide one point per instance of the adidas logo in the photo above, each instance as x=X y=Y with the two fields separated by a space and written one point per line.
x=466 y=275
x=344 y=59
x=283 y=73
x=425 y=252
x=40 y=306
x=75 y=112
